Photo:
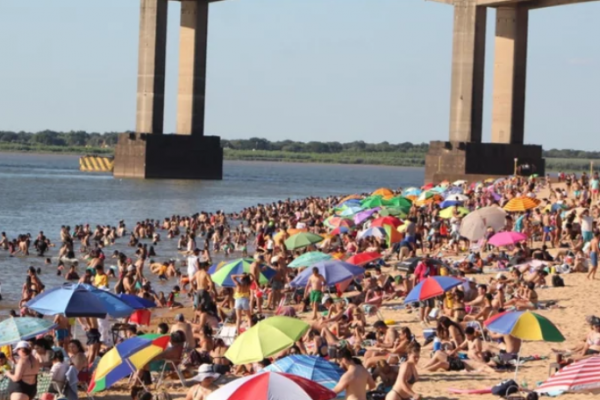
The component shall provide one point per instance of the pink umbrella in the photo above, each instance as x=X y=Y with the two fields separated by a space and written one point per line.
x=581 y=376
x=507 y=239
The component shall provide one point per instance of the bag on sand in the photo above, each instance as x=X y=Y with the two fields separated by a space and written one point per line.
x=505 y=388
x=557 y=281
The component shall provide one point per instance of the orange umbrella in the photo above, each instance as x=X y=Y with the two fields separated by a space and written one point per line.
x=434 y=199
x=521 y=204
x=384 y=192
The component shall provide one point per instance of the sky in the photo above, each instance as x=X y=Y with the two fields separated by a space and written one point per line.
x=325 y=70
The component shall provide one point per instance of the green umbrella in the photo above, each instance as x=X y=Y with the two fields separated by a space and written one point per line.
x=302 y=239
x=393 y=211
x=265 y=339
x=222 y=276
x=400 y=202
x=308 y=259
x=372 y=202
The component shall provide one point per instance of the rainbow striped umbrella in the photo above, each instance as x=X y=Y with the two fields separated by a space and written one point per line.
x=126 y=358
x=525 y=325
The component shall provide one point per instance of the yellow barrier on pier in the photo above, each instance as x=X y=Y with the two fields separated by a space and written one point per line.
x=96 y=164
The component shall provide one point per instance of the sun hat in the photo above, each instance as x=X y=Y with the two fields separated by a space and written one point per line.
x=22 y=345
x=205 y=371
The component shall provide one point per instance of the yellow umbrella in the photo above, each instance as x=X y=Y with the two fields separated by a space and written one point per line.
x=449 y=212
x=521 y=204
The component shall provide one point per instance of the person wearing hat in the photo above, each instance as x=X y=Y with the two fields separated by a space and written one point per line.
x=23 y=381
x=205 y=383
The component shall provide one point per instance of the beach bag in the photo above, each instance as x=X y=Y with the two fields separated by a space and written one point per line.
x=557 y=281
x=505 y=388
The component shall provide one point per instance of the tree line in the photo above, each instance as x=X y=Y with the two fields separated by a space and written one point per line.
x=109 y=140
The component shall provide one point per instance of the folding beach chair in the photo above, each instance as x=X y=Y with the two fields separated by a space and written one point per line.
x=227 y=334
x=175 y=368
x=44 y=381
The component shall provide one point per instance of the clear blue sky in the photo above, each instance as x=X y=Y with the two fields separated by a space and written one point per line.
x=336 y=70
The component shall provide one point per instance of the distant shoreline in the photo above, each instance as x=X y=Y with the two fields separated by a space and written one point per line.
x=370 y=159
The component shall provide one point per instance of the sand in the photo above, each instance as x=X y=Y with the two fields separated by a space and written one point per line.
x=577 y=299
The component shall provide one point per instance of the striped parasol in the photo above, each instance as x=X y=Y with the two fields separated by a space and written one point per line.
x=581 y=376
x=521 y=204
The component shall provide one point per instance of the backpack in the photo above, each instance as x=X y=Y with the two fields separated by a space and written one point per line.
x=505 y=388
x=557 y=281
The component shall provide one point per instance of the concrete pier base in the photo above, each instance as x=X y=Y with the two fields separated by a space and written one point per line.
x=477 y=161
x=148 y=156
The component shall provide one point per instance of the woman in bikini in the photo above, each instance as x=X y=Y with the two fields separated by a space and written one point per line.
x=407 y=376
x=396 y=353
x=23 y=381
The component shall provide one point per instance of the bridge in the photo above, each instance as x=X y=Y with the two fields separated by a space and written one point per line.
x=191 y=155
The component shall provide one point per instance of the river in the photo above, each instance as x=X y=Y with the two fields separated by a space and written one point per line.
x=41 y=192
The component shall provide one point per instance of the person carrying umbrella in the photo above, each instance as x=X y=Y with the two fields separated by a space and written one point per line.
x=315 y=295
x=423 y=270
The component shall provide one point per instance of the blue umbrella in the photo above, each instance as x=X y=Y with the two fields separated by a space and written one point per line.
x=14 y=329
x=79 y=300
x=316 y=369
x=350 y=211
x=376 y=231
x=136 y=302
x=334 y=271
x=450 y=203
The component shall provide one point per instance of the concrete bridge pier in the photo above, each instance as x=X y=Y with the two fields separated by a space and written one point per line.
x=189 y=154
x=464 y=156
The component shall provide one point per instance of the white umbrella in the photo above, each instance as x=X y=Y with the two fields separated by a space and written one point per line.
x=457 y=197
x=475 y=224
x=459 y=183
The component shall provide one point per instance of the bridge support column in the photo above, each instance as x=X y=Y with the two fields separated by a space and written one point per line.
x=468 y=62
x=192 y=67
x=151 y=66
x=510 y=71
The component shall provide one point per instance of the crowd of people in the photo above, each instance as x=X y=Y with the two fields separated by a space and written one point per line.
x=379 y=356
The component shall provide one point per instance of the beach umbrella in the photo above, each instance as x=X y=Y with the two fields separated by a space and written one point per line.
x=79 y=300
x=372 y=202
x=383 y=192
x=450 y=203
x=393 y=211
x=376 y=232
x=558 y=206
x=215 y=267
x=350 y=197
x=336 y=222
x=364 y=258
x=435 y=198
x=126 y=358
x=392 y=235
x=412 y=191
x=427 y=186
x=507 y=239
x=240 y=266
x=581 y=376
x=431 y=287
x=266 y=338
x=308 y=259
x=13 y=330
x=456 y=197
x=383 y=221
x=454 y=190
x=334 y=271
x=459 y=183
x=475 y=224
x=302 y=239
x=136 y=302
x=350 y=211
x=449 y=212
x=524 y=325
x=272 y=386
x=316 y=369
x=362 y=216
x=340 y=230
x=521 y=204
x=349 y=203
x=400 y=202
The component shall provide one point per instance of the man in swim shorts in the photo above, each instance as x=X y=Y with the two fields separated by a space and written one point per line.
x=314 y=290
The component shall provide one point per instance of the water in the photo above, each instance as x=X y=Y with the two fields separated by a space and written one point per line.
x=41 y=192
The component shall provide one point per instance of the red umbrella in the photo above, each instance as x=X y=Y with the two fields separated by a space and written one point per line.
x=427 y=186
x=364 y=258
x=389 y=220
x=272 y=386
